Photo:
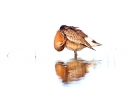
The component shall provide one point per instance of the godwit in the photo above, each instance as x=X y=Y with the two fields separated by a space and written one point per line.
x=73 y=39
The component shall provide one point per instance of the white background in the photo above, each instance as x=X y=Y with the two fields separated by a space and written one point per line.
x=28 y=27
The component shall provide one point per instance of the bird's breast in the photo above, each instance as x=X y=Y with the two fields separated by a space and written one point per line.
x=74 y=46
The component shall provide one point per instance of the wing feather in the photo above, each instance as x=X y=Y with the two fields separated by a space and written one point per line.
x=75 y=35
x=79 y=32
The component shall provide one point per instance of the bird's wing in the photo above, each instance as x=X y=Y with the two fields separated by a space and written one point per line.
x=79 y=32
x=75 y=35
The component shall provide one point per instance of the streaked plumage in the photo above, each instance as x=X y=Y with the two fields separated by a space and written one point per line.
x=77 y=39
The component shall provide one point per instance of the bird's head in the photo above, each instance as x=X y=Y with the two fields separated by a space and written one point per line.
x=62 y=27
x=59 y=41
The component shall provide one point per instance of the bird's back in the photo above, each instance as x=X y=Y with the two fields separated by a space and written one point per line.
x=75 y=35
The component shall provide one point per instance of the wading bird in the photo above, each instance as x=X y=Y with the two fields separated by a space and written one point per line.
x=73 y=39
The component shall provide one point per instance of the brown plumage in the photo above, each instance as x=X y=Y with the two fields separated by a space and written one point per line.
x=59 y=41
x=74 y=69
x=77 y=39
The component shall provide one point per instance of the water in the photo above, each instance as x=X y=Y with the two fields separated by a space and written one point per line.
x=27 y=30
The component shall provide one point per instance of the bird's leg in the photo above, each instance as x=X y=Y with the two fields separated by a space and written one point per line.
x=75 y=54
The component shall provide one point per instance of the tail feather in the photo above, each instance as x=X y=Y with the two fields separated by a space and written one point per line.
x=98 y=44
x=89 y=47
x=92 y=42
x=93 y=49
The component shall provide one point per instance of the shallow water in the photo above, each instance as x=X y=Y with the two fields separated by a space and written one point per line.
x=27 y=30
x=22 y=69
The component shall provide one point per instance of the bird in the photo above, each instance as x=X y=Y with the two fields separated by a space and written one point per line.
x=74 y=39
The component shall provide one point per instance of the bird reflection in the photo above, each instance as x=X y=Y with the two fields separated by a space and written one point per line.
x=74 y=69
